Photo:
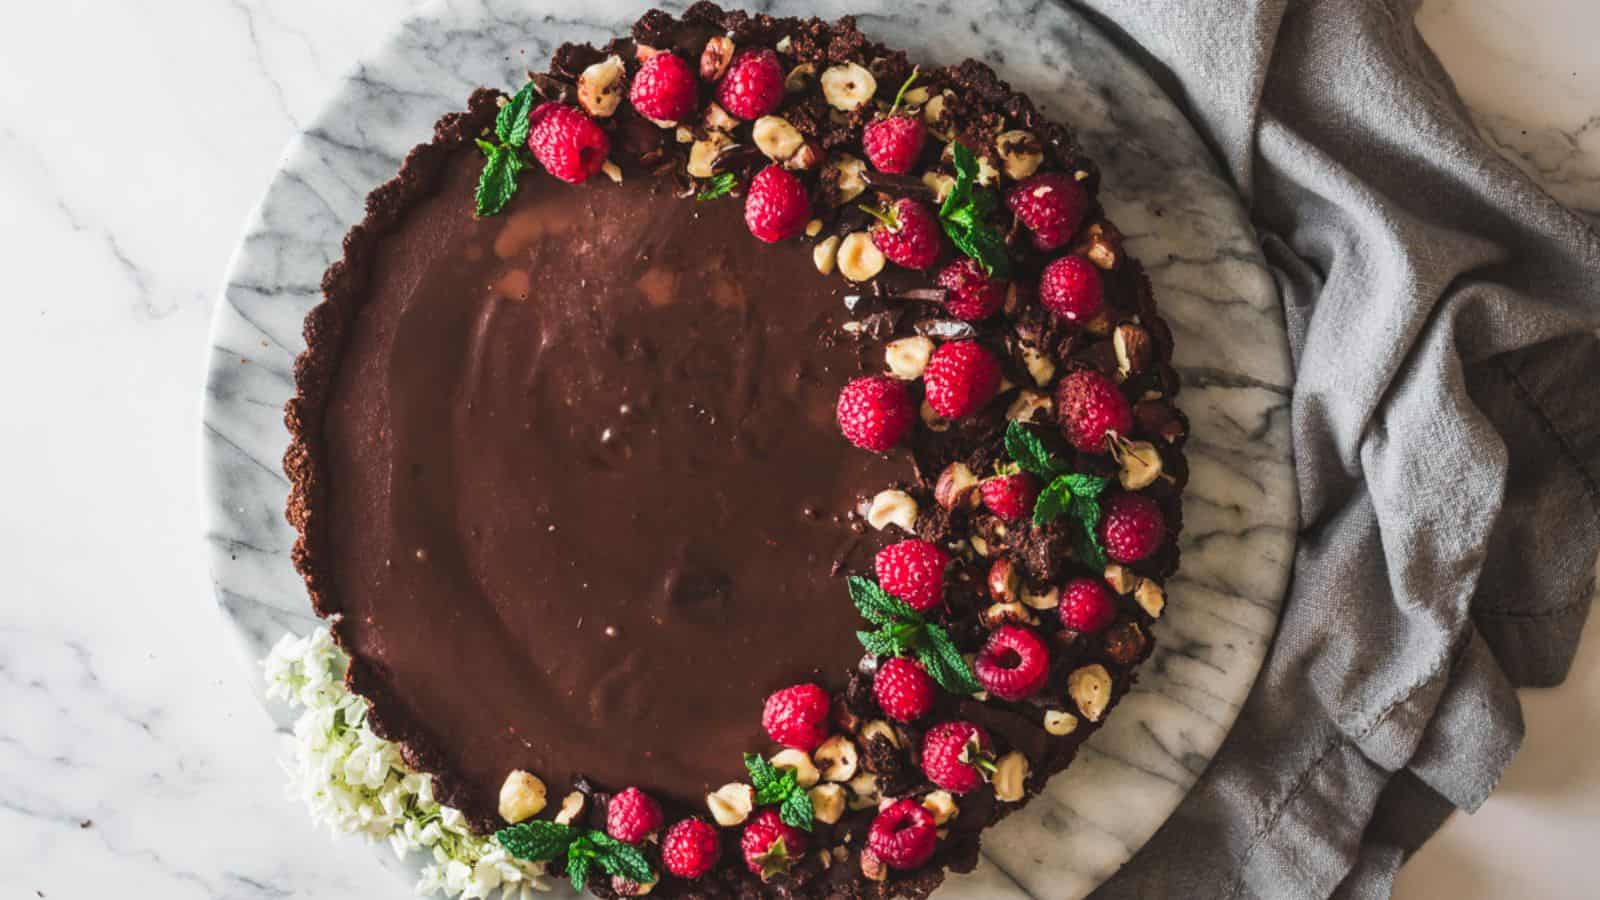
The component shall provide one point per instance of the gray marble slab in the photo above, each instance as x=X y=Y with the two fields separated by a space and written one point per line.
x=1163 y=191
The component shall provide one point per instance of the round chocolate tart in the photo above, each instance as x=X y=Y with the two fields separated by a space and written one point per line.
x=612 y=430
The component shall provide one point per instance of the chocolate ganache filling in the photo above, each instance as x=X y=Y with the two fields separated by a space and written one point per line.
x=582 y=458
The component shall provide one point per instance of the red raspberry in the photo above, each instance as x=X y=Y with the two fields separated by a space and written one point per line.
x=632 y=815
x=797 y=716
x=908 y=234
x=1131 y=527
x=690 y=848
x=771 y=847
x=1087 y=605
x=1010 y=497
x=1051 y=205
x=903 y=689
x=913 y=570
x=1070 y=287
x=960 y=379
x=903 y=835
x=955 y=756
x=776 y=206
x=973 y=296
x=1091 y=407
x=753 y=86
x=665 y=88
x=875 y=412
x=893 y=144
x=1013 y=664
x=566 y=142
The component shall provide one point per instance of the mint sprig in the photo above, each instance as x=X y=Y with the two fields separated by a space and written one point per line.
x=581 y=850
x=902 y=631
x=964 y=215
x=719 y=186
x=1066 y=493
x=780 y=787
x=507 y=156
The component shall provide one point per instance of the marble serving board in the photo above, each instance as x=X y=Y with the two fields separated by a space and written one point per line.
x=1161 y=188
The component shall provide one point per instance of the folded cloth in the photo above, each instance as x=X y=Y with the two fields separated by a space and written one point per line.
x=1441 y=309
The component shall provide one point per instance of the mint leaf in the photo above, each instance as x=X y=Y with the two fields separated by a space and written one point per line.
x=498 y=181
x=877 y=605
x=1053 y=502
x=487 y=148
x=1087 y=511
x=617 y=858
x=578 y=867
x=762 y=773
x=1086 y=485
x=945 y=663
x=879 y=643
x=965 y=162
x=796 y=810
x=1029 y=452
x=513 y=123
x=964 y=216
x=537 y=841
x=718 y=186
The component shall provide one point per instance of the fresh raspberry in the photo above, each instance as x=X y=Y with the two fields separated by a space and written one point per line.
x=665 y=88
x=913 y=570
x=1087 y=605
x=973 y=295
x=632 y=815
x=1051 y=205
x=903 y=689
x=566 y=142
x=776 y=206
x=894 y=143
x=1070 y=287
x=960 y=379
x=1013 y=664
x=690 y=848
x=771 y=847
x=903 y=835
x=753 y=86
x=797 y=716
x=1131 y=527
x=1010 y=497
x=875 y=412
x=1091 y=407
x=908 y=234
x=955 y=756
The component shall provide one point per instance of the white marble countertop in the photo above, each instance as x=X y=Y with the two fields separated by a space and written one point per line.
x=133 y=142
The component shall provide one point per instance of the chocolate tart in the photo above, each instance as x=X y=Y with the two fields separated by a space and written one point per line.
x=569 y=486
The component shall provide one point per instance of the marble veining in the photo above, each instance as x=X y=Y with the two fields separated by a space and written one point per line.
x=1162 y=190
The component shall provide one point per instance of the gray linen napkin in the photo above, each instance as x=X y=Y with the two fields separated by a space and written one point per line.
x=1446 y=423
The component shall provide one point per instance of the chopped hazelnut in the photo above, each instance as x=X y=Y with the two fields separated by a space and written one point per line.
x=826 y=253
x=836 y=759
x=828 y=802
x=522 y=796
x=805 y=771
x=1121 y=578
x=1090 y=688
x=859 y=258
x=1010 y=777
x=863 y=791
x=731 y=804
x=847 y=86
x=600 y=87
x=1059 y=722
x=942 y=805
x=1151 y=597
x=1131 y=344
x=1039 y=365
x=1050 y=598
x=1030 y=406
x=776 y=138
x=908 y=357
x=714 y=59
x=1013 y=613
x=957 y=487
x=893 y=507
x=1003 y=581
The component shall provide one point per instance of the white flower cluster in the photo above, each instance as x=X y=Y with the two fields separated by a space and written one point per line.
x=354 y=782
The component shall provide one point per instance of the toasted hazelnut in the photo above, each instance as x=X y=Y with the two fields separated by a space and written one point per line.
x=731 y=804
x=957 y=487
x=1020 y=154
x=828 y=802
x=683 y=135
x=1059 y=722
x=930 y=418
x=1012 y=613
x=879 y=729
x=942 y=805
x=612 y=170
x=571 y=808
x=600 y=86
x=1140 y=461
x=847 y=86
x=799 y=78
x=873 y=868
x=826 y=253
x=979 y=545
x=703 y=153
x=1030 y=406
x=932 y=113
x=715 y=57
x=893 y=507
x=1039 y=365
x=644 y=53
x=1151 y=597
x=776 y=138
x=805 y=771
x=836 y=759
x=1104 y=249
x=859 y=258
x=522 y=796
x=719 y=120
x=1050 y=598
x=851 y=181
x=1121 y=579
x=625 y=887
x=1010 y=777
x=863 y=791
x=1124 y=642
x=808 y=157
x=907 y=357
x=813 y=228
x=1090 y=688
x=1131 y=343
x=914 y=98
x=1003 y=581
x=939 y=183
x=988 y=175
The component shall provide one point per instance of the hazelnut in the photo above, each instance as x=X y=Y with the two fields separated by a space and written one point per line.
x=643 y=53
x=1124 y=642
x=851 y=180
x=807 y=157
x=825 y=253
x=935 y=422
x=836 y=759
x=956 y=487
x=1131 y=343
x=776 y=138
x=893 y=507
x=1020 y=154
x=847 y=86
x=731 y=804
x=1030 y=406
x=828 y=802
x=879 y=729
x=914 y=98
x=1003 y=581
x=624 y=887
x=1010 y=777
x=859 y=258
x=1050 y=598
x=612 y=170
x=799 y=78
x=784 y=45
x=1059 y=722
x=942 y=805
x=1012 y=613
x=1090 y=688
x=1140 y=461
x=703 y=153
x=571 y=808
x=522 y=796
x=873 y=868
x=719 y=119
x=715 y=57
x=908 y=357
x=939 y=183
x=1103 y=248
x=979 y=545
x=600 y=87
x=683 y=135
x=805 y=771
x=1121 y=579
x=1151 y=597
x=932 y=113
x=1039 y=365
x=813 y=228
x=863 y=791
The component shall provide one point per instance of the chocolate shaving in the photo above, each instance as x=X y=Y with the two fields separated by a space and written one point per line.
x=946 y=329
